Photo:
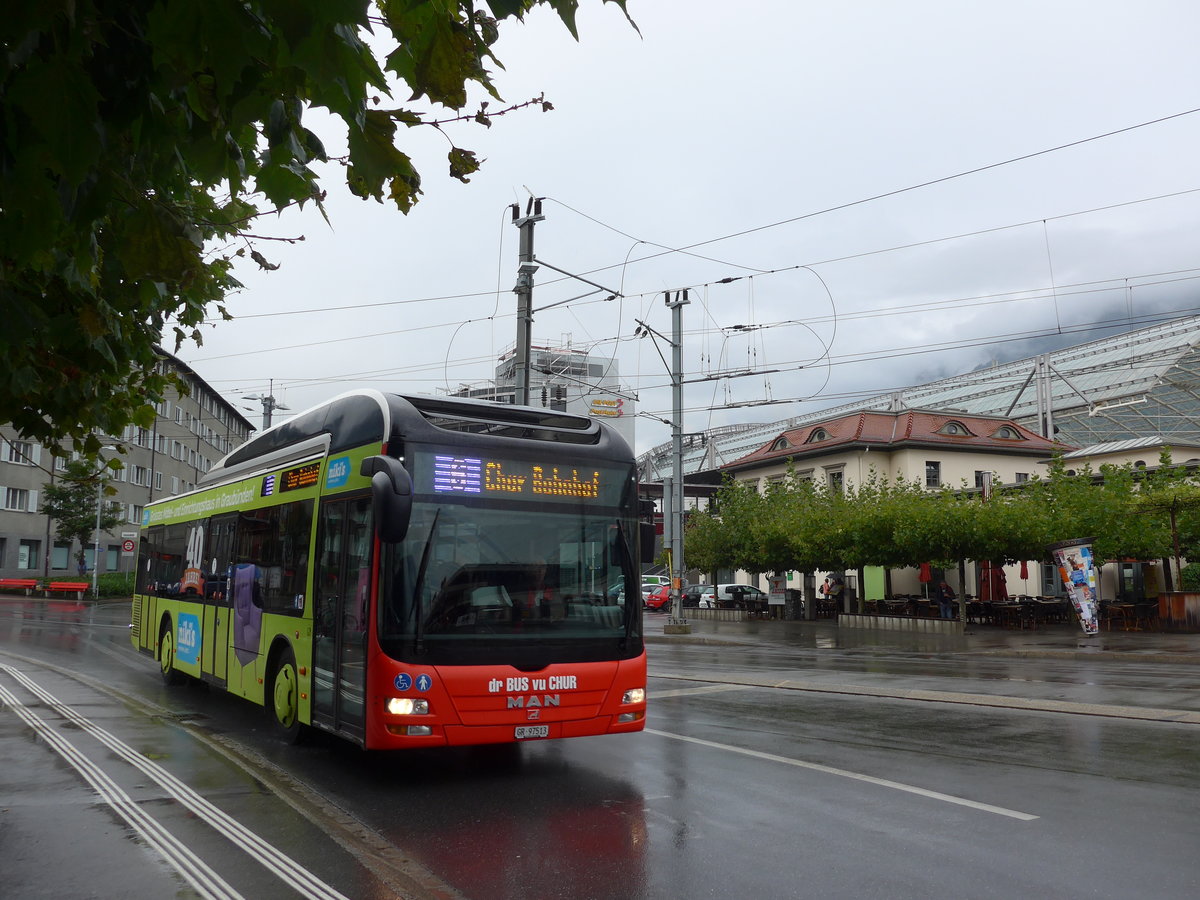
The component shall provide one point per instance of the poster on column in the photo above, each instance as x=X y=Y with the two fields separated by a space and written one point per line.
x=1077 y=572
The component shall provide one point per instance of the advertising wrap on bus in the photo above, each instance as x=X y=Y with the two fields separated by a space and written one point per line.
x=465 y=589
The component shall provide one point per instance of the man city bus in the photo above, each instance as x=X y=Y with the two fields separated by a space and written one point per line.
x=408 y=571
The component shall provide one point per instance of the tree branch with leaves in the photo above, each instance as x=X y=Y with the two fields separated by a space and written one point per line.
x=136 y=135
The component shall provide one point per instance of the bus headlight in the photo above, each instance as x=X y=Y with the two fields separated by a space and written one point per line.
x=634 y=695
x=407 y=706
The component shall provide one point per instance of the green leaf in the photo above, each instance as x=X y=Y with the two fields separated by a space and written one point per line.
x=376 y=161
x=462 y=164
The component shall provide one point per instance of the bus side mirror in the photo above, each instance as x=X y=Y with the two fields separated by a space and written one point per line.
x=391 y=496
x=648 y=538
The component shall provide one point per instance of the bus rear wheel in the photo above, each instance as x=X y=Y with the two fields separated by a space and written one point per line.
x=166 y=655
x=283 y=701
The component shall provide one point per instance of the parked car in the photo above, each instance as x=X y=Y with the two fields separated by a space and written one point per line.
x=660 y=599
x=651 y=583
x=733 y=596
x=693 y=593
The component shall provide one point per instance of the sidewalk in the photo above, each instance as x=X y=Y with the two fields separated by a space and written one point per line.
x=1147 y=676
x=1046 y=642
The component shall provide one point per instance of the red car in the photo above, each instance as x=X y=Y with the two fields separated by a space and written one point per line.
x=660 y=599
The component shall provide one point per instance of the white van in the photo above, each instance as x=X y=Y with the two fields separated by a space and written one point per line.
x=733 y=596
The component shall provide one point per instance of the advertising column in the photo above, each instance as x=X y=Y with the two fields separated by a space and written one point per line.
x=777 y=595
x=1077 y=571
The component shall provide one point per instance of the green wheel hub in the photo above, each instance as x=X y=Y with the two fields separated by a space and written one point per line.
x=166 y=653
x=286 y=695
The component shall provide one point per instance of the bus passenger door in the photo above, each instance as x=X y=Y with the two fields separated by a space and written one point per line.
x=341 y=591
x=218 y=552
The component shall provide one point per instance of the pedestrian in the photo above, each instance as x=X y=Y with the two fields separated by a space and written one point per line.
x=945 y=599
x=836 y=588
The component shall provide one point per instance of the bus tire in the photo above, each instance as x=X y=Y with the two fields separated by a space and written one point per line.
x=166 y=655
x=283 y=698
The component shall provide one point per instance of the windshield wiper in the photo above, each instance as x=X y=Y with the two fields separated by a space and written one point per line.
x=418 y=638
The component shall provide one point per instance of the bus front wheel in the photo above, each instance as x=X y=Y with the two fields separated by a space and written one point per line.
x=283 y=702
x=166 y=655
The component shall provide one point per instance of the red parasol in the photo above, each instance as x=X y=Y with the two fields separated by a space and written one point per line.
x=925 y=576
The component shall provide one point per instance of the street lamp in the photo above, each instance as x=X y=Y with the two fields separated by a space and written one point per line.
x=269 y=404
x=99 y=500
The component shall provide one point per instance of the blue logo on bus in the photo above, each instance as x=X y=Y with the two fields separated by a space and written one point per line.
x=403 y=681
x=145 y=517
x=338 y=472
x=188 y=638
x=424 y=682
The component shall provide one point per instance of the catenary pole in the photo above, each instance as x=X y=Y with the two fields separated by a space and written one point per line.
x=676 y=305
x=524 y=292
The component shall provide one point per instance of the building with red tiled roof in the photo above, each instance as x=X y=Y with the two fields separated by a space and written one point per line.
x=935 y=448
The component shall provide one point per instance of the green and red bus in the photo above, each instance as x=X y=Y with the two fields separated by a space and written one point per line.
x=408 y=571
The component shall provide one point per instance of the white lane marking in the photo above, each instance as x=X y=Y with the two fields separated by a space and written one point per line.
x=707 y=689
x=206 y=882
x=273 y=859
x=857 y=776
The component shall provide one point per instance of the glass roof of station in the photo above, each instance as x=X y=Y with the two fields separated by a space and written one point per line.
x=1126 y=386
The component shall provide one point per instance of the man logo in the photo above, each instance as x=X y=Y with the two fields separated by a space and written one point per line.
x=533 y=701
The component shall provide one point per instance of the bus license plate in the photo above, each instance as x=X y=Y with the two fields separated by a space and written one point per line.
x=531 y=731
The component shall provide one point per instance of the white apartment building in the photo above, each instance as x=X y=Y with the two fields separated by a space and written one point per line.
x=190 y=433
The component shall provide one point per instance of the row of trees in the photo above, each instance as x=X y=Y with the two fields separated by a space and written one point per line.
x=801 y=525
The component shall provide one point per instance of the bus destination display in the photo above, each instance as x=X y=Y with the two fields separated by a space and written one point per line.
x=484 y=476
x=300 y=477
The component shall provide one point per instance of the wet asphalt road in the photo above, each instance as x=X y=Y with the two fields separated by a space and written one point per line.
x=755 y=777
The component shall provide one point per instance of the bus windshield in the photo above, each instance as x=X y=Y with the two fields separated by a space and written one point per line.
x=506 y=577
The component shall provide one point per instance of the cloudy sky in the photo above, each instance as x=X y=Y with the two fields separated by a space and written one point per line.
x=874 y=175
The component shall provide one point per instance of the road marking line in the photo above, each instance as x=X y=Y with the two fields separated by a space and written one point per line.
x=266 y=854
x=707 y=689
x=856 y=776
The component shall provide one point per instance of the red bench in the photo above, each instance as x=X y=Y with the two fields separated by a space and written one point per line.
x=67 y=587
x=18 y=584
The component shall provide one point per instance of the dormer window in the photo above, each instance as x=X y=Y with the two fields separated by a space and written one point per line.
x=781 y=443
x=1008 y=433
x=955 y=429
x=818 y=434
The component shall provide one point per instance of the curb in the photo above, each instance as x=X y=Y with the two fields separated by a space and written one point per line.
x=1157 y=657
x=1145 y=714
